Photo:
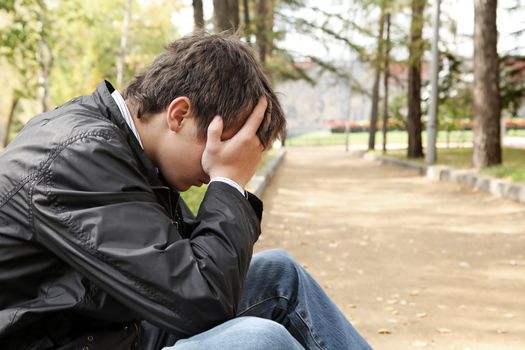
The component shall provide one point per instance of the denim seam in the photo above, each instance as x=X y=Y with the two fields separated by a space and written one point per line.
x=260 y=302
x=314 y=337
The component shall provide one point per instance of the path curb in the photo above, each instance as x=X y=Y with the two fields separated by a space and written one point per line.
x=467 y=178
x=258 y=183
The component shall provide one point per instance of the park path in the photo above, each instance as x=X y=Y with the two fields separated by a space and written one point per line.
x=411 y=262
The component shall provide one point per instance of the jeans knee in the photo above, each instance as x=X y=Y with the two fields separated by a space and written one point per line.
x=266 y=334
x=276 y=257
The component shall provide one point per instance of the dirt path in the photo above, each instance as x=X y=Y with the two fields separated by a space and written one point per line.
x=412 y=263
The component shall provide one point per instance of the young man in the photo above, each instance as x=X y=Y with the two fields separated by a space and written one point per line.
x=97 y=249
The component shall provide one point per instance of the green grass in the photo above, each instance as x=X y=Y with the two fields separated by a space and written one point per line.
x=326 y=138
x=517 y=132
x=193 y=197
x=513 y=167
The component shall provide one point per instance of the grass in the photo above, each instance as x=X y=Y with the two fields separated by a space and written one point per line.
x=513 y=167
x=193 y=197
x=516 y=132
x=326 y=138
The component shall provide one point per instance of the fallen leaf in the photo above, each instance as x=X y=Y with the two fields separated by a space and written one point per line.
x=443 y=330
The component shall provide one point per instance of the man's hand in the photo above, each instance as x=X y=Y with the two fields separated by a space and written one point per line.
x=238 y=157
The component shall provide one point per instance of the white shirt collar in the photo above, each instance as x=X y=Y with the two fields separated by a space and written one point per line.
x=121 y=104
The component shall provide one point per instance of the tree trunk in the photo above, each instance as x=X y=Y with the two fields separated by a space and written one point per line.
x=226 y=15
x=198 y=15
x=45 y=61
x=385 y=81
x=44 y=58
x=264 y=27
x=415 y=145
x=121 y=58
x=487 y=113
x=233 y=7
x=247 y=24
x=10 y=119
x=375 y=88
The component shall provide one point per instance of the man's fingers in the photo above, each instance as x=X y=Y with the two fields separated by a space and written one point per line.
x=215 y=131
x=255 y=118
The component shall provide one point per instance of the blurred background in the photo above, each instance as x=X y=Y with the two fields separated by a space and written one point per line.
x=411 y=262
x=355 y=73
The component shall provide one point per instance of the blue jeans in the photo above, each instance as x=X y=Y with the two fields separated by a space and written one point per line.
x=282 y=307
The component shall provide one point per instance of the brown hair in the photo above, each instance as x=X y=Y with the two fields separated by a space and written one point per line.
x=218 y=73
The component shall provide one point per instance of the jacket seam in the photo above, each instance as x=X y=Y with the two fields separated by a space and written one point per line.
x=46 y=163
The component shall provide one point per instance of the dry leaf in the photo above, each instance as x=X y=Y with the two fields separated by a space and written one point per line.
x=384 y=331
x=443 y=330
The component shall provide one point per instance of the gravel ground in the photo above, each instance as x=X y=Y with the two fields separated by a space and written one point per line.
x=412 y=263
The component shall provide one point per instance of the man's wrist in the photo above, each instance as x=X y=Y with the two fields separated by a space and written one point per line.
x=231 y=183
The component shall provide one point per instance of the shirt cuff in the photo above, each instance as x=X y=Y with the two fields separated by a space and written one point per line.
x=231 y=183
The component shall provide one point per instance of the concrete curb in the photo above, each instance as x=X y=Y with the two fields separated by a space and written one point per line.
x=258 y=183
x=467 y=178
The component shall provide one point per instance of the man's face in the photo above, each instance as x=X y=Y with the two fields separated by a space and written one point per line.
x=180 y=160
x=180 y=157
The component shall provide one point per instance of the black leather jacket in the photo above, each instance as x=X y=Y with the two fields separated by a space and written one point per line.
x=92 y=241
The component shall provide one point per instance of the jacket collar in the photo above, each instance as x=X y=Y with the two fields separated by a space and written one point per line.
x=108 y=107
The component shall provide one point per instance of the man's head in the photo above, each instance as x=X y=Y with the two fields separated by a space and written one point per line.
x=195 y=79
x=218 y=73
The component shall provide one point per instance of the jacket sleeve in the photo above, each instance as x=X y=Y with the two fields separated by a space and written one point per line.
x=96 y=212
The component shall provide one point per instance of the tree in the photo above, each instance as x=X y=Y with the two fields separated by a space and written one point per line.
x=226 y=15
x=375 y=88
x=121 y=57
x=198 y=15
x=512 y=84
x=487 y=113
x=415 y=146
x=247 y=22
x=22 y=45
x=263 y=28
x=385 y=81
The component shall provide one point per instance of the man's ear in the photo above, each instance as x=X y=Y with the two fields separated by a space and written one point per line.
x=178 y=110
